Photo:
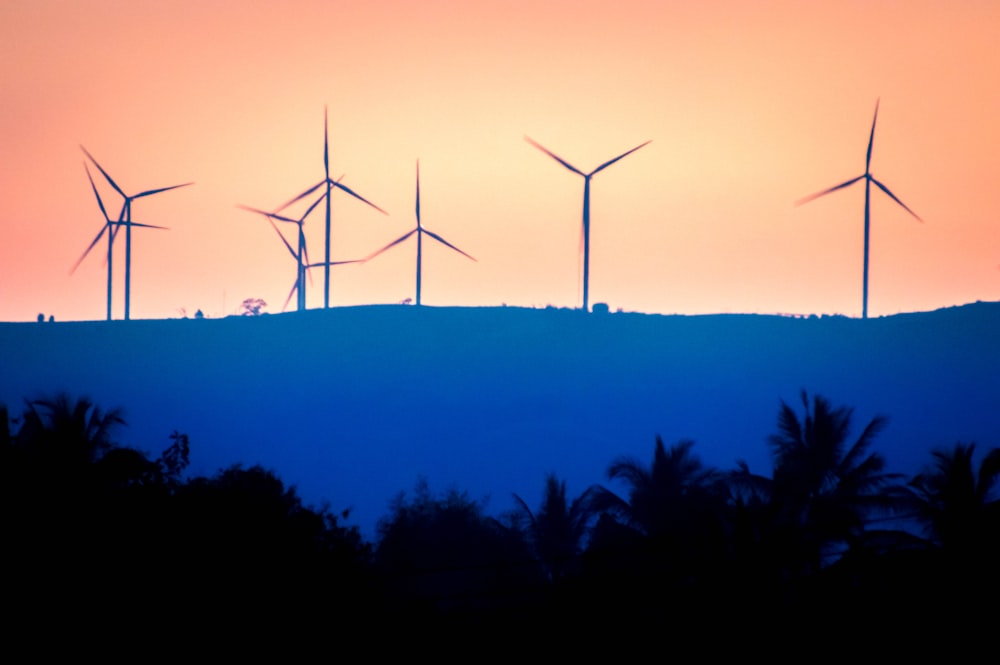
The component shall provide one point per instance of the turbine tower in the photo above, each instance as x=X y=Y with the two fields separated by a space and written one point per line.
x=124 y=219
x=586 y=205
x=420 y=231
x=329 y=184
x=869 y=179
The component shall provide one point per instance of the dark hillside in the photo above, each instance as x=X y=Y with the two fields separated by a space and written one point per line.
x=353 y=404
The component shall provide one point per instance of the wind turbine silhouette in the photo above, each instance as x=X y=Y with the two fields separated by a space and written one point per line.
x=869 y=179
x=110 y=227
x=301 y=255
x=329 y=183
x=586 y=205
x=124 y=219
x=420 y=231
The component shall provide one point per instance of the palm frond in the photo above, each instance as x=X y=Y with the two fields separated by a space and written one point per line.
x=989 y=477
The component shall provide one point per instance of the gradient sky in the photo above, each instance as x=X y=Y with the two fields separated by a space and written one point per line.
x=749 y=106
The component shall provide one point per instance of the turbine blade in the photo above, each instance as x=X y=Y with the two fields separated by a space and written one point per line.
x=621 y=156
x=827 y=191
x=871 y=139
x=445 y=242
x=269 y=215
x=90 y=247
x=303 y=194
x=554 y=156
x=389 y=246
x=333 y=263
x=305 y=251
x=418 y=193
x=103 y=172
x=121 y=220
x=894 y=198
x=147 y=226
x=281 y=235
x=148 y=192
x=290 y=294
x=358 y=196
x=311 y=207
x=326 y=145
x=100 y=203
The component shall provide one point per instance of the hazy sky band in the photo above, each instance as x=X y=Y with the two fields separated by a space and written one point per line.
x=750 y=107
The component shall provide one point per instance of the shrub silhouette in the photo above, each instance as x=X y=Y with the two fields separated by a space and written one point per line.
x=441 y=554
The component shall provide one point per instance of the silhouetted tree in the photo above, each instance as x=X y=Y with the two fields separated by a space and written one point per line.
x=823 y=488
x=252 y=307
x=441 y=556
x=52 y=457
x=959 y=506
x=77 y=431
x=557 y=532
x=5 y=438
x=669 y=537
x=79 y=509
x=250 y=548
x=87 y=522
x=662 y=495
x=175 y=458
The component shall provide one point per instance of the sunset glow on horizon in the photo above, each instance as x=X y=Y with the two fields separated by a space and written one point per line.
x=749 y=107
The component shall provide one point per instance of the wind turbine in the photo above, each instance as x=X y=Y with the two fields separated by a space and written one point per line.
x=329 y=183
x=124 y=219
x=586 y=205
x=110 y=227
x=869 y=179
x=301 y=255
x=420 y=231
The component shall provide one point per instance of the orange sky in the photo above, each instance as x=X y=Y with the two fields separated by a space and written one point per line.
x=749 y=106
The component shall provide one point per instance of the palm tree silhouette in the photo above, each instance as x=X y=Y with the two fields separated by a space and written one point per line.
x=558 y=530
x=823 y=489
x=5 y=437
x=958 y=505
x=660 y=495
x=65 y=431
x=670 y=536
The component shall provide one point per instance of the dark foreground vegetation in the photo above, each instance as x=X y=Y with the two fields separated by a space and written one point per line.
x=97 y=534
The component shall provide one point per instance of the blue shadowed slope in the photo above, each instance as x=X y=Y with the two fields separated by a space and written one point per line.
x=352 y=404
